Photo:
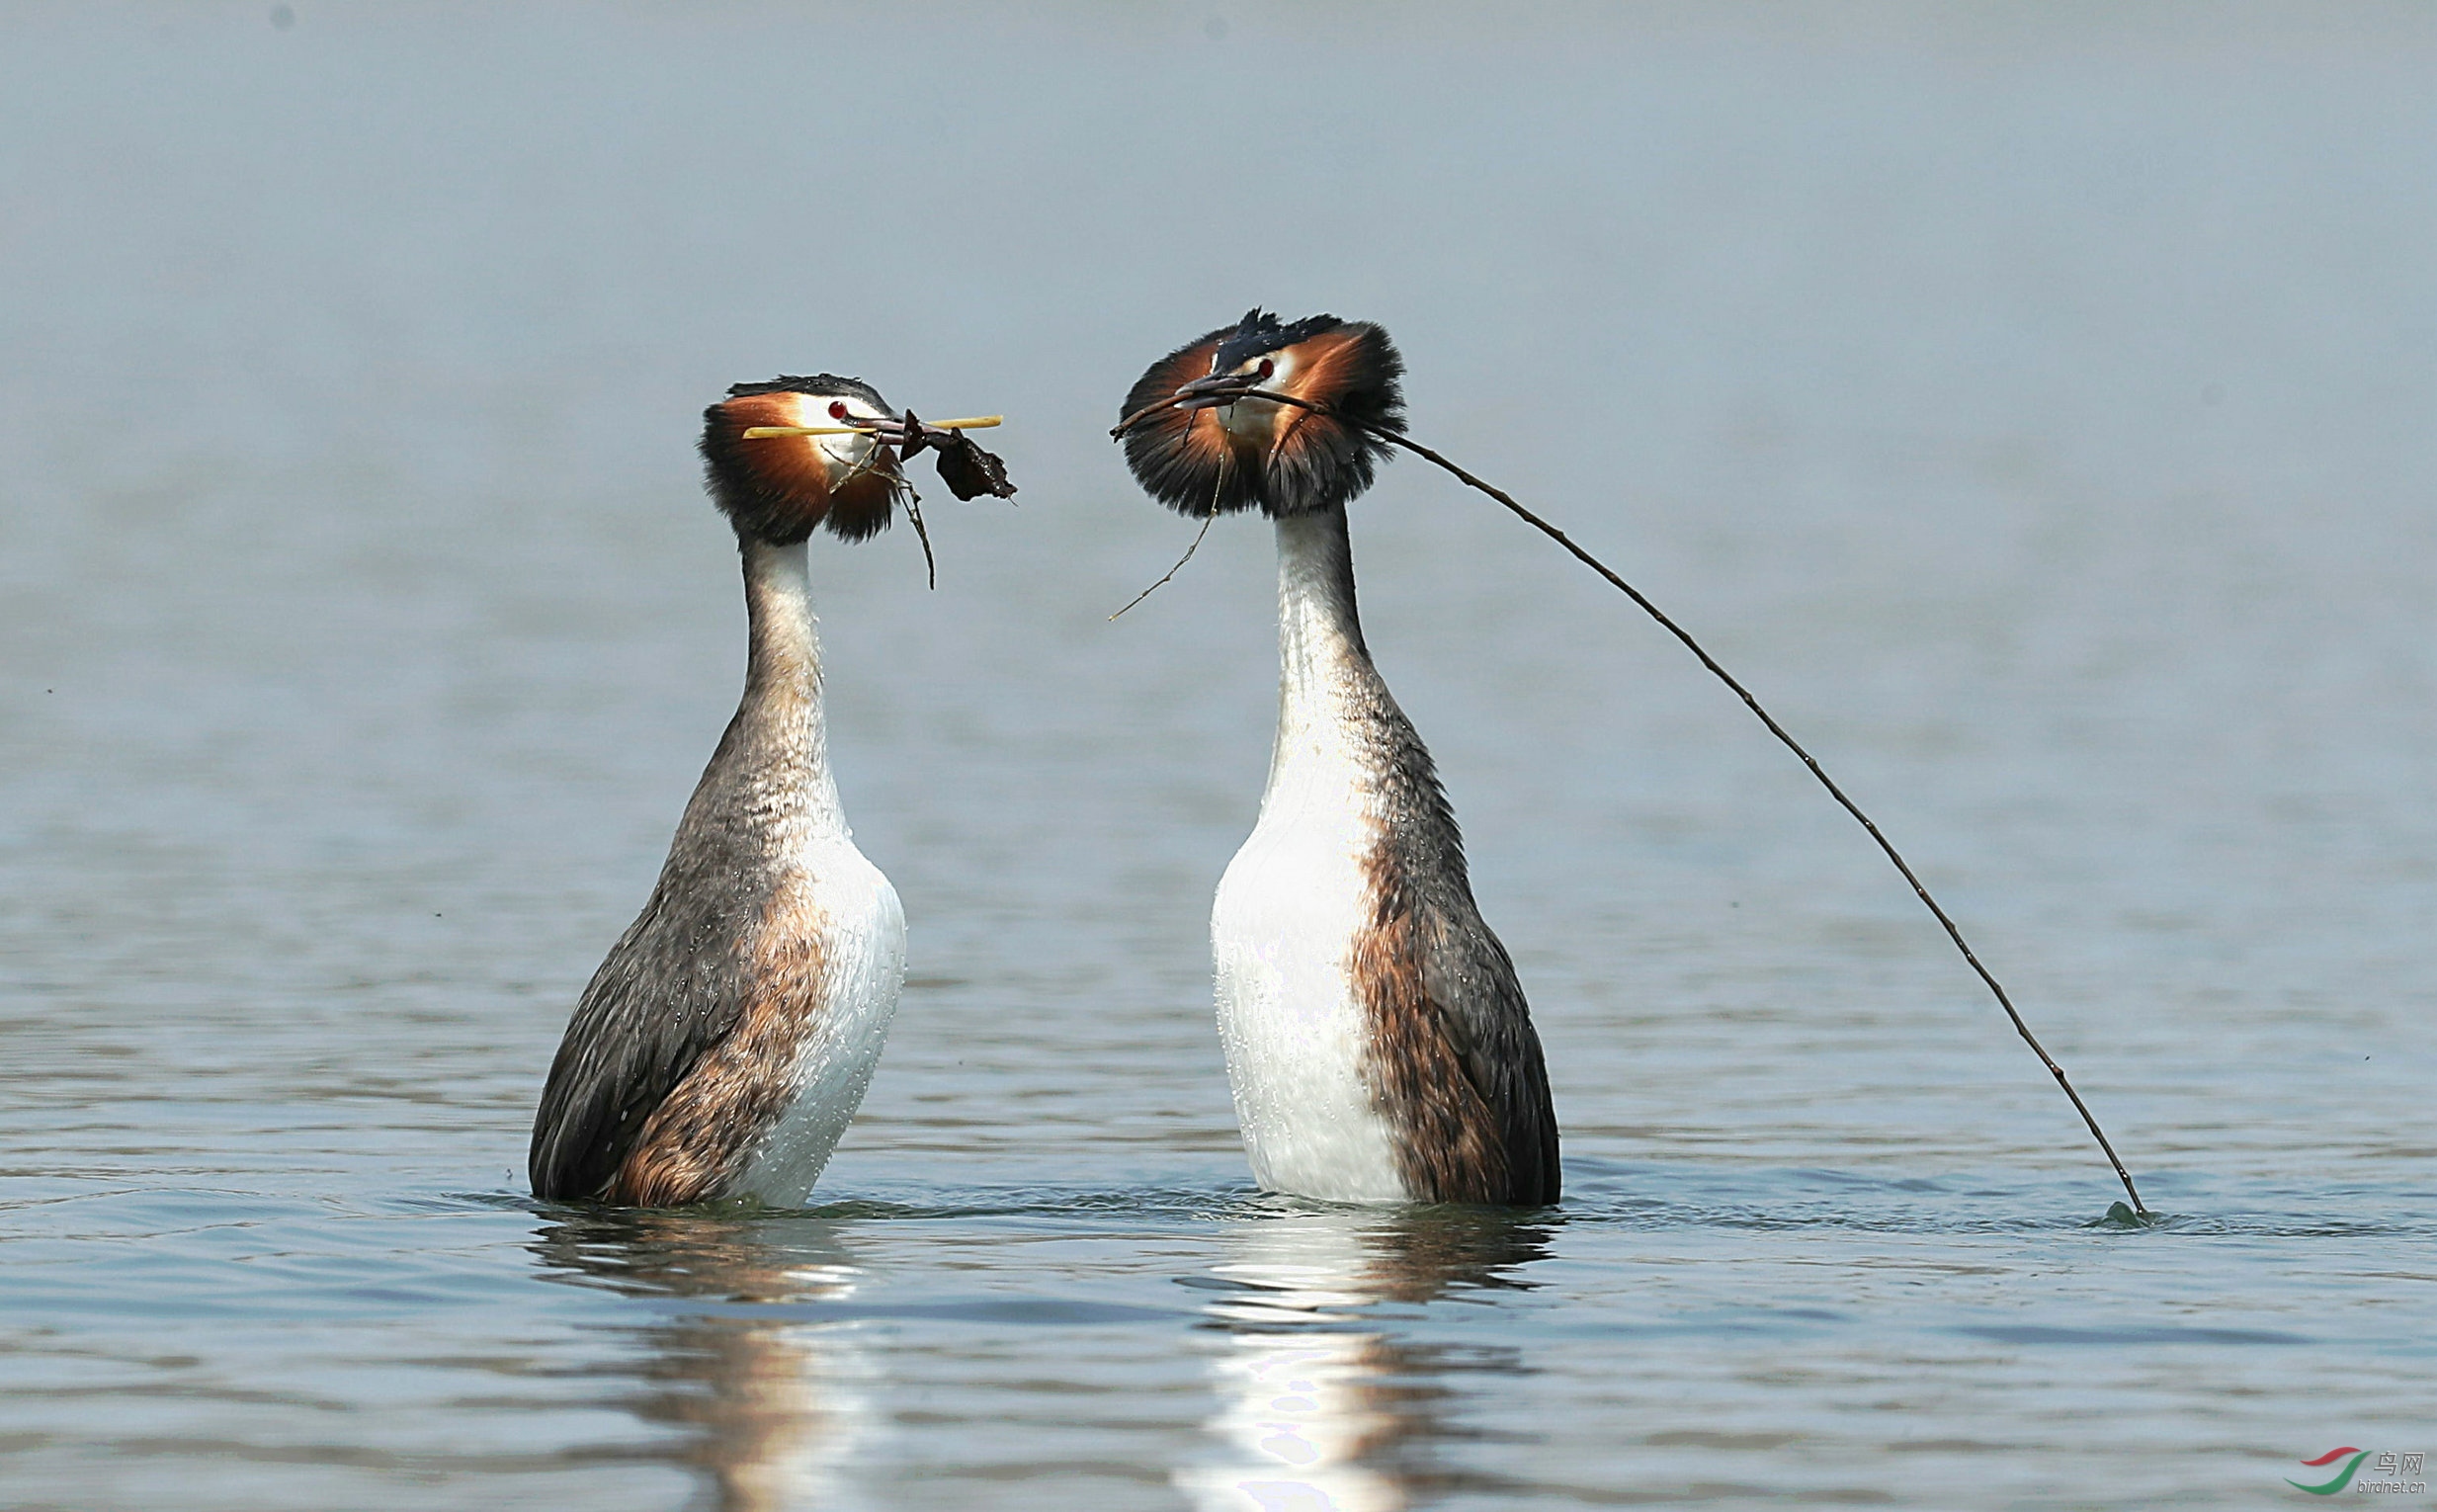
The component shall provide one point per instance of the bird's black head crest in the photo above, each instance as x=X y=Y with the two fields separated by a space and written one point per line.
x=1261 y=332
x=825 y=384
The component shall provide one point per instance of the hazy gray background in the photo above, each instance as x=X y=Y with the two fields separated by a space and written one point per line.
x=2032 y=402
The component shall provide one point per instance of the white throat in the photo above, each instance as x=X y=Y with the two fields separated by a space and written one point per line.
x=1322 y=663
x=784 y=674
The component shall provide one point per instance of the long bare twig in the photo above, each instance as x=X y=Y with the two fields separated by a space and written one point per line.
x=1178 y=567
x=913 y=512
x=1208 y=518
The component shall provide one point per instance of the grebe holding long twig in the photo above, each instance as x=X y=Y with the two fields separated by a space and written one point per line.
x=1305 y=410
x=1376 y=1039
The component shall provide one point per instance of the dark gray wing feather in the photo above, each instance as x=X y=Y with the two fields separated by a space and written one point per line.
x=671 y=990
x=1472 y=986
x=1466 y=977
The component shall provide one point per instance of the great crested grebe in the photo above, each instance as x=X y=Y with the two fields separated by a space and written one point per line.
x=722 y=1046
x=1377 y=1040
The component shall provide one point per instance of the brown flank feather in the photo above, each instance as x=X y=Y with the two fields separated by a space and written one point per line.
x=696 y=1142
x=1448 y=1146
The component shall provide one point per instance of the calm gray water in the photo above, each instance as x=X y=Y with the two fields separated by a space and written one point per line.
x=2038 y=405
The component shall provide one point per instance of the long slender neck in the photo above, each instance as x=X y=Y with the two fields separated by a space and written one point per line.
x=779 y=716
x=1325 y=680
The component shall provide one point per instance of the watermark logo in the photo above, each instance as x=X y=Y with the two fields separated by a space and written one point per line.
x=2394 y=1472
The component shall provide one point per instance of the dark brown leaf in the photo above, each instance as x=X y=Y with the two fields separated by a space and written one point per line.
x=969 y=472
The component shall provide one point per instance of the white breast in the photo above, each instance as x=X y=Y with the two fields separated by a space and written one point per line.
x=862 y=931
x=1282 y=931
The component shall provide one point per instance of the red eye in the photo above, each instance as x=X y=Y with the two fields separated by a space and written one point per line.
x=837 y=409
x=1266 y=368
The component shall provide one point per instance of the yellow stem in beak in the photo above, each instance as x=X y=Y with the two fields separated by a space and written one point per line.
x=765 y=432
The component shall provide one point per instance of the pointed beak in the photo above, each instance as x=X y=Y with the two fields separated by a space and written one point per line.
x=902 y=431
x=1219 y=388
x=1212 y=392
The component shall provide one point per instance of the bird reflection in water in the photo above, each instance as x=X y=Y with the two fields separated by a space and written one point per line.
x=776 y=1399
x=1325 y=1408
